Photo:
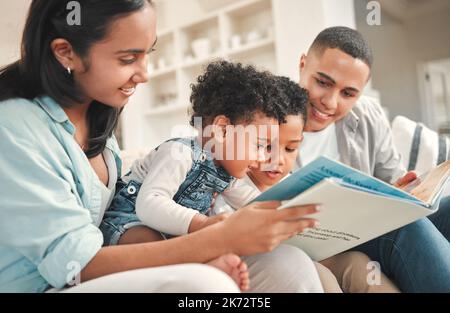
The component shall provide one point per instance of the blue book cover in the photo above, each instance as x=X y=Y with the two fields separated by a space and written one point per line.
x=323 y=168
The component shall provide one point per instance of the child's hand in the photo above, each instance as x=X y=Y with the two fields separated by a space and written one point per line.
x=201 y=221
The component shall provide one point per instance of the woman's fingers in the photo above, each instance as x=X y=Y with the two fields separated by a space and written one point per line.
x=291 y=228
x=264 y=227
x=295 y=227
x=295 y=213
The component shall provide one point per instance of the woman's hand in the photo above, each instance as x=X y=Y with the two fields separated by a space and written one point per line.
x=260 y=227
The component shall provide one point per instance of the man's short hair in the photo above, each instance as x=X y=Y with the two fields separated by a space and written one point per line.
x=345 y=39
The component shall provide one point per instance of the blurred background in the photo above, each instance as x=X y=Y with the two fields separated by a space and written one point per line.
x=410 y=39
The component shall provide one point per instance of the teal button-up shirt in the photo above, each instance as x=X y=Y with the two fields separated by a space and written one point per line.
x=50 y=198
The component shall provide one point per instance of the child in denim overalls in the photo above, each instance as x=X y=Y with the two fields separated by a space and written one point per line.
x=172 y=189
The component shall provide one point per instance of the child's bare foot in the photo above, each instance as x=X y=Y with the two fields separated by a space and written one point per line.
x=232 y=265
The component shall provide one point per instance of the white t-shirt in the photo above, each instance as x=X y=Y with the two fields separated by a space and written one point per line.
x=222 y=206
x=108 y=191
x=323 y=143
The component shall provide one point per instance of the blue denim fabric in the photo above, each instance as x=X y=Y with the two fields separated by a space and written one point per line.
x=196 y=192
x=416 y=257
x=441 y=219
x=121 y=214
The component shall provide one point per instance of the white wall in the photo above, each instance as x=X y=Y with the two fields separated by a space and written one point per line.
x=399 y=48
x=339 y=13
x=310 y=19
x=11 y=25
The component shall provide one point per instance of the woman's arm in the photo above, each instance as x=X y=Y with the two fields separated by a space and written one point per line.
x=198 y=247
x=255 y=229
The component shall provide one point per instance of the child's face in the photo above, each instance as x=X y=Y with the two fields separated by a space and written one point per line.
x=290 y=137
x=245 y=150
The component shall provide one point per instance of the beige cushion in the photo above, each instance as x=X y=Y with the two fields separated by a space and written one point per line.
x=421 y=148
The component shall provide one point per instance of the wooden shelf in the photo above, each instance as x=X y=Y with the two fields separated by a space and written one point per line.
x=248 y=7
x=164 y=110
x=175 y=45
x=269 y=34
x=202 y=61
x=164 y=72
x=251 y=47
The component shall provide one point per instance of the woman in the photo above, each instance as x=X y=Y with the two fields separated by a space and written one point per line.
x=59 y=163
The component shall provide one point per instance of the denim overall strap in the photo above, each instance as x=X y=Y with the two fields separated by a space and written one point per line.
x=202 y=181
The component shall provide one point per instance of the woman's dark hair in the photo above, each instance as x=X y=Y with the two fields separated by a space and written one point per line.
x=238 y=92
x=38 y=72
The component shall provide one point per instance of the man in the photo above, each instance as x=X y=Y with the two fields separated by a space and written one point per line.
x=354 y=130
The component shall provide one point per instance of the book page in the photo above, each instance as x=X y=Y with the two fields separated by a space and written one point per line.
x=431 y=184
x=349 y=218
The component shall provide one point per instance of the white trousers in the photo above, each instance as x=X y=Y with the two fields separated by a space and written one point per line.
x=286 y=269
x=186 y=278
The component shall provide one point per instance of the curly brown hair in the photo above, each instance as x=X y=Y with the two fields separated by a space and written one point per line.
x=238 y=92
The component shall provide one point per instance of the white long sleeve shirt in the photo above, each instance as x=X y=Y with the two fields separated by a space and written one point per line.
x=161 y=174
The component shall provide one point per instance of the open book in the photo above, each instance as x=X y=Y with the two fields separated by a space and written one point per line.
x=356 y=207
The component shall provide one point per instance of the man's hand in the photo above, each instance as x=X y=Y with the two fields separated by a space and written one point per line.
x=405 y=180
